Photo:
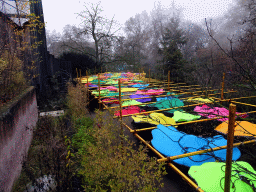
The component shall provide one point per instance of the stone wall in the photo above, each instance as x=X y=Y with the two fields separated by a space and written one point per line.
x=17 y=120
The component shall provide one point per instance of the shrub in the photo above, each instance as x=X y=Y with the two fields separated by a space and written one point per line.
x=77 y=100
x=47 y=155
x=111 y=163
x=84 y=128
x=103 y=158
x=12 y=80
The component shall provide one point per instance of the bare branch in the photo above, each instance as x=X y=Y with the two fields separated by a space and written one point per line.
x=247 y=76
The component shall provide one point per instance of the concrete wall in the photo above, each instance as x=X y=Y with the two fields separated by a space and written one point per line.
x=17 y=120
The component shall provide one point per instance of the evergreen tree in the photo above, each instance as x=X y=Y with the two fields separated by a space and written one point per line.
x=172 y=40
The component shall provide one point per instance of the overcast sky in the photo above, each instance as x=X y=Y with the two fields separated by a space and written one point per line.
x=58 y=13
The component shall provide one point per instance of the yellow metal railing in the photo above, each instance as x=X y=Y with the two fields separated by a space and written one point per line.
x=229 y=146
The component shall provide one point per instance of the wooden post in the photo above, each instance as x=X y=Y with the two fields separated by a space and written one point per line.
x=168 y=80
x=99 y=91
x=231 y=125
x=87 y=89
x=80 y=76
x=149 y=76
x=76 y=73
x=222 y=86
x=120 y=98
x=121 y=115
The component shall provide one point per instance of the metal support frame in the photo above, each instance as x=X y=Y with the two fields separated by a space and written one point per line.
x=229 y=145
x=196 y=96
x=186 y=178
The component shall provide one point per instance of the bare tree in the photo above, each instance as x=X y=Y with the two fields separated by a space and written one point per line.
x=74 y=40
x=100 y=30
x=53 y=40
x=197 y=38
x=245 y=61
x=71 y=40
x=137 y=37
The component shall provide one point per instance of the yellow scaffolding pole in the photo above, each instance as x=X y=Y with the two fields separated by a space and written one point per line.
x=188 y=154
x=121 y=117
x=196 y=121
x=143 y=103
x=76 y=74
x=99 y=91
x=152 y=85
x=193 y=153
x=213 y=94
x=80 y=76
x=166 y=83
x=204 y=151
x=87 y=87
x=167 y=109
x=106 y=107
x=168 y=80
x=149 y=76
x=143 y=97
x=231 y=99
x=230 y=139
x=243 y=103
x=184 y=93
x=186 y=178
x=167 y=95
x=120 y=98
x=133 y=94
x=222 y=86
x=195 y=88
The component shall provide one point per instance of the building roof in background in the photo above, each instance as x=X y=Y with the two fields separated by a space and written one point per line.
x=17 y=11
